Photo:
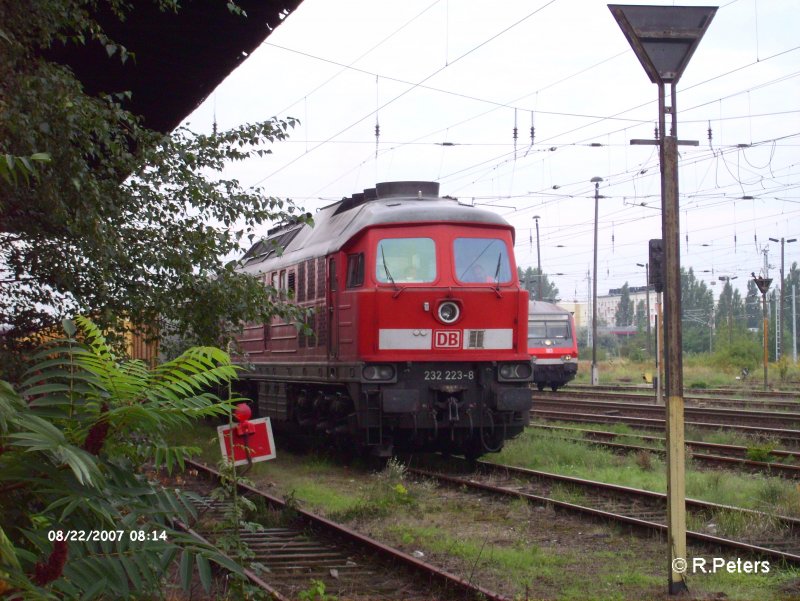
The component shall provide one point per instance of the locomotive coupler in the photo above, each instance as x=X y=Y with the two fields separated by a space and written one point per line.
x=452 y=408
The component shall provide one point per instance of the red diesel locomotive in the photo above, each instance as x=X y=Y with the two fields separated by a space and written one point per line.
x=552 y=344
x=419 y=325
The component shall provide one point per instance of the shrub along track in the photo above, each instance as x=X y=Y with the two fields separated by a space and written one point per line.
x=767 y=535
x=350 y=565
x=720 y=455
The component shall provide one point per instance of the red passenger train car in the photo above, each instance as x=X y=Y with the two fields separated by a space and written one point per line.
x=419 y=325
x=552 y=344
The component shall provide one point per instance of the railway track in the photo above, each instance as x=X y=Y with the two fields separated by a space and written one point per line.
x=789 y=436
x=726 y=456
x=699 y=392
x=768 y=535
x=692 y=401
x=350 y=565
x=722 y=416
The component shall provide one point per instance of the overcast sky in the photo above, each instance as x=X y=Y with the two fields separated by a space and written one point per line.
x=464 y=73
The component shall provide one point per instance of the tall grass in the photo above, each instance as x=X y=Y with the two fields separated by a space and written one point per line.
x=548 y=451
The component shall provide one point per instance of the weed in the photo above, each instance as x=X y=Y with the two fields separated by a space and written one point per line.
x=289 y=511
x=567 y=493
x=644 y=459
x=315 y=592
x=783 y=368
x=760 y=453
x=736 y=524
x=387 y=492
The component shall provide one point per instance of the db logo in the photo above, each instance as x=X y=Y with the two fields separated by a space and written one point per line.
x=447 y=339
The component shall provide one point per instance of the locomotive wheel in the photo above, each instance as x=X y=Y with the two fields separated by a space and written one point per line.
x=540 y=386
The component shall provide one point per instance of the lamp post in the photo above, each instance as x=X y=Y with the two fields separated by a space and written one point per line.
x=779 y=316
x=538 y=257
x=647 y=281
x=727 y=279
x=595 y=376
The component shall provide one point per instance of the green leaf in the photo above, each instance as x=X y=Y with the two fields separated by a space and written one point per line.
x=94 y=590
x=69 y=327
x=204 y=569
x=186 y=569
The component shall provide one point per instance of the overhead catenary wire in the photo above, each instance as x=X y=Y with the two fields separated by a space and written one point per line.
x=413 y=87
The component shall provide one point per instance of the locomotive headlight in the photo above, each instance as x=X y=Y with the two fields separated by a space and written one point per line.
x=514 y=371
x=448 y=312
x=566 y=358
x=378 y=373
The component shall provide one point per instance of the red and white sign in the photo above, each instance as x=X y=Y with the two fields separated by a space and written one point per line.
x=447 y=339
x=251 y=438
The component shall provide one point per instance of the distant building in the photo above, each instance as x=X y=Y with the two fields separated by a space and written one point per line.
x=578 y=311
x=607 y=307
x=607 y=304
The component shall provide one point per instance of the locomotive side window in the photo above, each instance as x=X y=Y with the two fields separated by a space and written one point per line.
x=480 y=260
x=282 y=284
x=409 y=260
x=355 y=270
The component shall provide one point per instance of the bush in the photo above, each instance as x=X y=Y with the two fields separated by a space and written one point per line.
x=74 y=436
x=742 y=353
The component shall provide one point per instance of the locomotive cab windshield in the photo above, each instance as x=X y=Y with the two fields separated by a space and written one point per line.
x=411 y=260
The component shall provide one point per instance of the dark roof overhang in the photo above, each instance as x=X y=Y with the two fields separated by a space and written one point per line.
x=180 y=58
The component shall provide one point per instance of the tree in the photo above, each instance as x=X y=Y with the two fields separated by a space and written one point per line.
x=752 y=305
x=115 y=220
x=641 y=316
x=530 y=282
x=792 y=279
x=697 y=306
x=624 y=313
x=729 y=318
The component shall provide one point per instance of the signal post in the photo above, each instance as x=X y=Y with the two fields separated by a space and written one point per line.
x=664 y=39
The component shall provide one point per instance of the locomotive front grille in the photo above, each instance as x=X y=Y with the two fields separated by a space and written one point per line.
x=476 y=338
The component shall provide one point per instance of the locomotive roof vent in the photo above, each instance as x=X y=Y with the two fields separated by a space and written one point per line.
x=384 y=190
x=408 y=189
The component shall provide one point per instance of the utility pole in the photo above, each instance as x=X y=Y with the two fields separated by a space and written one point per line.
x=647 y=280
x=539 y=258
x=659 y=350
x=595 y=375
x=779 y=315
x=763 y=286
x=664 y=39
x=589 y=314
x=727 y=279
x=794 y=323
